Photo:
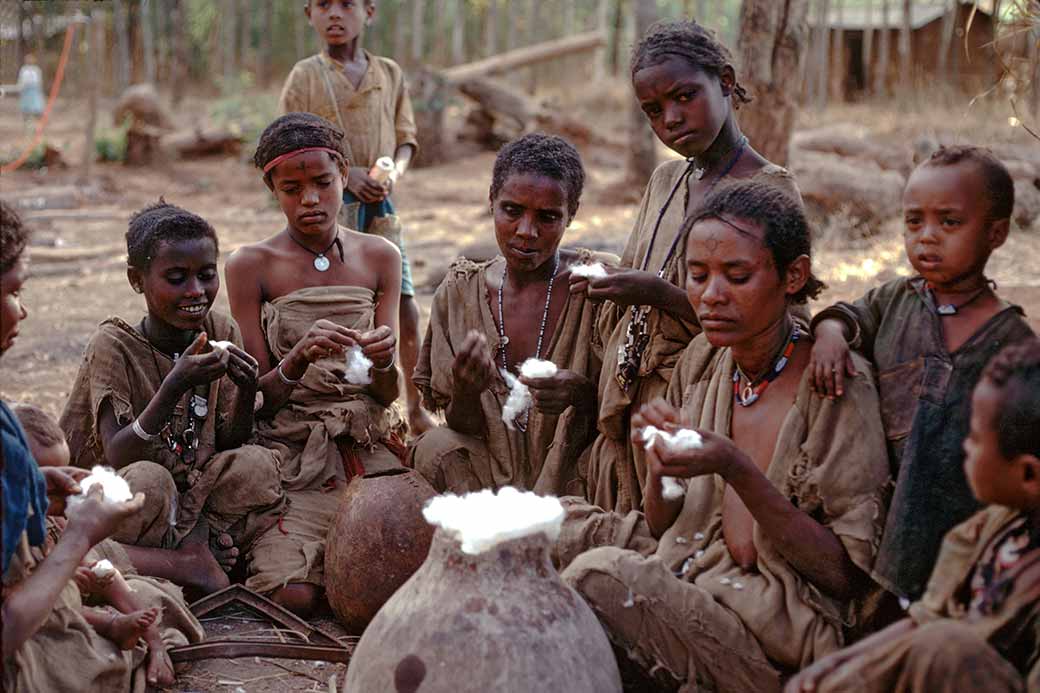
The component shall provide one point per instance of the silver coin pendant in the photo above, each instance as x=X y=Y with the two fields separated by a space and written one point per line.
x=321 y=263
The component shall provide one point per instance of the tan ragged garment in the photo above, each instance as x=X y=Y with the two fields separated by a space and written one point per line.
x=617 y=469
x=950 y=651
x=238 y=490
x=323 y=406
x=549 y=457
x=376 y=117
x=67 y=654
x=829 y=459
x=321 y=409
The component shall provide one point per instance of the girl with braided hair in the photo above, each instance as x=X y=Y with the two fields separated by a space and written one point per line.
x=688 y=89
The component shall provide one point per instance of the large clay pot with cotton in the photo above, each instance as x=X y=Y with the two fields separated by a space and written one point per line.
x=491 y=618
x=378 y=540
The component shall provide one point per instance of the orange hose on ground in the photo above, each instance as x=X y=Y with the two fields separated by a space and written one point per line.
x=70 y=30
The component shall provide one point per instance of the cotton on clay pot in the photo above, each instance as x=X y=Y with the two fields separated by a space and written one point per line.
x=379 y=538
x=486 y=611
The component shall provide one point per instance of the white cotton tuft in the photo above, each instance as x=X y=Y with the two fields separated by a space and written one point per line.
x=220 y=344
x=683 y=439
x=103 y=568
x=594 y=270
x=482 y=520
x=115 y=488
x=519 y=399
x=358 y=365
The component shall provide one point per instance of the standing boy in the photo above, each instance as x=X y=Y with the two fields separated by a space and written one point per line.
x=366 y=96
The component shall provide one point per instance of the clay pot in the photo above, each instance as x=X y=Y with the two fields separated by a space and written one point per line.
x=497 y=621
x=375 y=544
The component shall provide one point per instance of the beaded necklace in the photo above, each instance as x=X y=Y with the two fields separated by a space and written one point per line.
x=503 y=340
x=753 y=390
x=637 y=336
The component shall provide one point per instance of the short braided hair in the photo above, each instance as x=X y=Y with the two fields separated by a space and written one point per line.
x=787 y=232
x=294 y=131
x=999 y=185
x=545 y=155
x=1015 y=370
x=14 y=236
x=691 y=42
x=159 y=223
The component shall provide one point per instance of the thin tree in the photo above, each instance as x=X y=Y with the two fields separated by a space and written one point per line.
x=94 y=41
x=882 y=71
x=867 y=54
x=121 y=28
x=244 y=17
x=617 y=37
x=511 y=31
x=148 y=41
x=906 y=66
x=840 y=66
x=823 y=48
x=299 y=24
x=228 y=32
x=774 y=35
x=22 y=16
x=418 y=30
x=949 y=23
x=266 y=45
x=642 y=156
x=400 y=27
x=491 y=28
x=178 y=18
x=458 y=32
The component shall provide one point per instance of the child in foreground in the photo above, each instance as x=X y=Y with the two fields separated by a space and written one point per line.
x=977 y=628
x=145 y=609
x=304 y=297
x=365 y=95
x=929 y=337
x=173 y=413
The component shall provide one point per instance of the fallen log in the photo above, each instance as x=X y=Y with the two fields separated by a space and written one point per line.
x=190 y=144
x=526 y=56
x=831 y=184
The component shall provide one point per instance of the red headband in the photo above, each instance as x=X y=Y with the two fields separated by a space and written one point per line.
x=288 y=155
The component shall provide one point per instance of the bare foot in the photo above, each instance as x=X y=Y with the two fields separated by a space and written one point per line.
x=206 y=575
x=420 y=421
x=160 y=667
x=126 y=629
x=223 y=548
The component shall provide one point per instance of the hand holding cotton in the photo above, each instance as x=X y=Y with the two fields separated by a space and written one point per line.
x=594 y=270
x=519 y=399
x=114 y=488
x=358 y=366
x=683 y=439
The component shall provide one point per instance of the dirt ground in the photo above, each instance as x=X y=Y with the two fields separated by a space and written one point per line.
x=78 y=259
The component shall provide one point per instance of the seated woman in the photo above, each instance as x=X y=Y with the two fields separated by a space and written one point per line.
x=753 y=571
x=497 y=314
x=172 y=413
x=303 y=297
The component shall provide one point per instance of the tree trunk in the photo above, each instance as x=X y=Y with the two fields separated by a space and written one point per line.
x=121 y=27
x=702 y=11
x=22 y=17
x=570 y=18
x=773 y=38
x=148 y=41
x=642 y=157
x=400 y=33
x=418 y=30
x=841 y=70
x=617 y=37
x=906 y=66
x=245 y=38
x=511 y=29
x=179 y=71
x=867 y=54
x=491 y=29
x=823 y=56
x=228 y=25
x=299 y=21
x=94 y=42
x=602 y=12
x=1036 y=72
x=263 y=76
x=881 y=73
x=458 y=32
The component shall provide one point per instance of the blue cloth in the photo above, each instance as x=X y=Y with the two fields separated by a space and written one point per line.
x=23 y=487
x=368 y=211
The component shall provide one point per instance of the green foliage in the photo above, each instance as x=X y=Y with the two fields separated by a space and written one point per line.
x=241 y=110
x=110 y=145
